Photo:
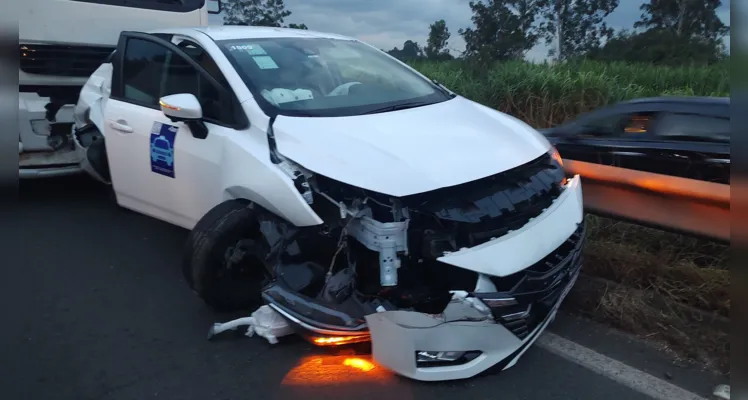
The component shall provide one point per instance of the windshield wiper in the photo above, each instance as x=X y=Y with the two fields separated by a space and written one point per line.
x=444 y=89
x=397 y=107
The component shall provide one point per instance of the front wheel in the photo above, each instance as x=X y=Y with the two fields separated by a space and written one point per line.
x=223 y=257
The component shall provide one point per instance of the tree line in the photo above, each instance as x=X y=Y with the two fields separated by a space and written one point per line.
x=257 y=13
x=670 y=32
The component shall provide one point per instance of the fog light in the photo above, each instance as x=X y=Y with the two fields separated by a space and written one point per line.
x=436 y=356
x=444 y=358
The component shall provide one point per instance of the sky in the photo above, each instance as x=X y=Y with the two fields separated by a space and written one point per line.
x=389 y=23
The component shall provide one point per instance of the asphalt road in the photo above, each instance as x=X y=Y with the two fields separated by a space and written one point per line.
x=100 y=311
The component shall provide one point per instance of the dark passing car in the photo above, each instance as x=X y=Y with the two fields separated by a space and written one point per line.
x=677 y=148
x=686 y=137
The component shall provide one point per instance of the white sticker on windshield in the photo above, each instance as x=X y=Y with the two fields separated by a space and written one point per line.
x=252 y=49
x=265 y=62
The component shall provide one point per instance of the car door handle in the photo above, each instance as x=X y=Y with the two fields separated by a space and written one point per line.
x=626 y=153
x=718 y=160
x=120 y=126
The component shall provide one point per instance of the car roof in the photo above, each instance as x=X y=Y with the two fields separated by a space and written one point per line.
x=226 y=32
x=715 y=106
x=683 y=100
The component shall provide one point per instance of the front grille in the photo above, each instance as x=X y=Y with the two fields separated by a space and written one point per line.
x=537 y=289
x=473 y=213
x=62 y=60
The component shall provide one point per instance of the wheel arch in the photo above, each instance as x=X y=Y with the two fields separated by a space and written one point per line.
x=285 y=203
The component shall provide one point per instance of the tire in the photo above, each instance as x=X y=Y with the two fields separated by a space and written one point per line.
x=204 y=263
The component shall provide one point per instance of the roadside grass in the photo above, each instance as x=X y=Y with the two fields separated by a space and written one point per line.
x=544 y=94
x=663 y=286
x=666 y=287
x=691 y=271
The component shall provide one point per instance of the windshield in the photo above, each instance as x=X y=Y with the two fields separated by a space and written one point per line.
x=320 y=77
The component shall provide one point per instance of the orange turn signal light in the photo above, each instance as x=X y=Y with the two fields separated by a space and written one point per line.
x=338 y=340
x=170 y=107
x=556 y=156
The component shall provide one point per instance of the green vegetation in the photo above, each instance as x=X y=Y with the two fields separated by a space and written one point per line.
x=547 y=94
x=668 y=288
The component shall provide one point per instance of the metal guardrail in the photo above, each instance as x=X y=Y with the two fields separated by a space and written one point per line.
x=676 y=204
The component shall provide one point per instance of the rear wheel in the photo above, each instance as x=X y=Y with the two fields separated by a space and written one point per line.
x=223 y=257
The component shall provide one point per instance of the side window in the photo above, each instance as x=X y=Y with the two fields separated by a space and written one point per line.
x=144 y=64
x=693 y=127
x=152 y=71
x=181 y=77
x=638 y=123
x=199 y=55
x=619 y=125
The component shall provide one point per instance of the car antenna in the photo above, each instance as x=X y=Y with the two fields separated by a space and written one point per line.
x=272 y=146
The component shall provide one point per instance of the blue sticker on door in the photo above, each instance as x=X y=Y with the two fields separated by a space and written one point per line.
x=162 y=148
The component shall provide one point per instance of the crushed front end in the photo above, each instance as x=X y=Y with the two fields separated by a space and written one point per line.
x=445 y=284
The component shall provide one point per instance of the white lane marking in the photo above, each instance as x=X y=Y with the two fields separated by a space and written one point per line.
x=617 y=371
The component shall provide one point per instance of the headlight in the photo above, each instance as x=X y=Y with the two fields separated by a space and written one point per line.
x=556 y=156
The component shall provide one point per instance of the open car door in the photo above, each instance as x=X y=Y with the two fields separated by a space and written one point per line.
x=162 y=159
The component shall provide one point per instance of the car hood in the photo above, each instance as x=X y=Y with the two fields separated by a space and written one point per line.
x=410 y=151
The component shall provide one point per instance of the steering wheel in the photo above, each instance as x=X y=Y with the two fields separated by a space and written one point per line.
x=343 y=89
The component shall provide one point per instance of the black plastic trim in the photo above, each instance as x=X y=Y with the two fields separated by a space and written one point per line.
x=311 y=312
x=539 y=286
x=180 y=6
x=62 y=60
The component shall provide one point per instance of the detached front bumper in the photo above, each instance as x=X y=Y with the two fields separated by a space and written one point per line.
x=400 y=338
x=523 y=301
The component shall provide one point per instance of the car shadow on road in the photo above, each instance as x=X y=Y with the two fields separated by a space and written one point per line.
x=63 y=188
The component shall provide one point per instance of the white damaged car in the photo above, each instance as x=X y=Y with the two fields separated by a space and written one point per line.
x=332 y=184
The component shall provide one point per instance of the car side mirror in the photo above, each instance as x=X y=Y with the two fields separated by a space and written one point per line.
x=184 y=107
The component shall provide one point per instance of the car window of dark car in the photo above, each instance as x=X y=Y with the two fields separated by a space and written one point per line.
x=675 y=126
x=618 y=125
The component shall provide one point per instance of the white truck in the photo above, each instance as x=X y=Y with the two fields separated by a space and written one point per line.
x=354 y=197
x=61 y=43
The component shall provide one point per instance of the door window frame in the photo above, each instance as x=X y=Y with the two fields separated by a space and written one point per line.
x=236 y=110
x=117 y=90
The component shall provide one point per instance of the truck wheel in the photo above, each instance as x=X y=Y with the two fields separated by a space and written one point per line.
x=222 y=257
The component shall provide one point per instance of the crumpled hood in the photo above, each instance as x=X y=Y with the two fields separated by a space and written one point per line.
x=410 y=151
